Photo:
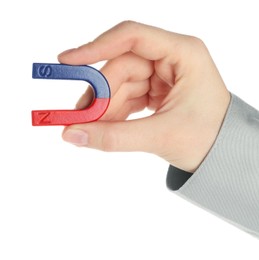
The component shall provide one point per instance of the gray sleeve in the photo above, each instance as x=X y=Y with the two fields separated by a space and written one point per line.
x=227 y=181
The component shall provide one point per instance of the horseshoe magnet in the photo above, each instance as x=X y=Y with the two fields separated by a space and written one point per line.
x=67 y=72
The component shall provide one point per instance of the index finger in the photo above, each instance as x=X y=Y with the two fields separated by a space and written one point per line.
x=146 y=41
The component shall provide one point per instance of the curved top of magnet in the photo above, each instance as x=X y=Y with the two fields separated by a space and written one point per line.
x=70 y=72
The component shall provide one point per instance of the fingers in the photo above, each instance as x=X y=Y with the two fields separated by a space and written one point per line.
x=130 y=49
x=145 y=41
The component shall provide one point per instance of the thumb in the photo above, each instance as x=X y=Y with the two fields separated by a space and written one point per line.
x=134 y=135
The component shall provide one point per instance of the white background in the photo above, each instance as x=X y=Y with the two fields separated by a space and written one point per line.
x=61 y=202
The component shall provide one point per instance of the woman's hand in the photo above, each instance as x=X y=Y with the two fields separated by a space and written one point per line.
x=170 y=73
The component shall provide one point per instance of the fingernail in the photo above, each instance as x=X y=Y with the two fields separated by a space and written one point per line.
x=66 y=52
x=76 y=137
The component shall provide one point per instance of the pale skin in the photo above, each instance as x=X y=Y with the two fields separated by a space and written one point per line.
x=171 y=74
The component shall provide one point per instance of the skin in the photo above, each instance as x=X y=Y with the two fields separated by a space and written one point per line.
x=171 y=74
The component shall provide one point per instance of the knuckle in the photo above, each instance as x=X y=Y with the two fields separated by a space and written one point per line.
x=129 y=27
x=196 y=41
x=197 y=44
x=128 y=23
x=194 y=52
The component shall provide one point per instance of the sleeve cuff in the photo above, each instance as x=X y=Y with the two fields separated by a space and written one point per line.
x=176 y=178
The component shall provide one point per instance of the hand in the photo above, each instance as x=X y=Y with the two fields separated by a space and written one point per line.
x=170 y=73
